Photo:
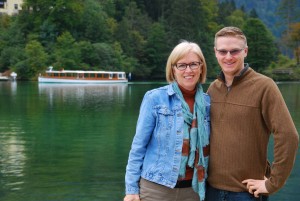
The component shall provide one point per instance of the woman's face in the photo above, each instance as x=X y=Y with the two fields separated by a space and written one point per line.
x=189 y=77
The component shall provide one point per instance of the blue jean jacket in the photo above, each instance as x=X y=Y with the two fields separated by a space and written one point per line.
x=155 y=153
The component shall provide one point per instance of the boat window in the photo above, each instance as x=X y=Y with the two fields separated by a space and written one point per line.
x=69 y=75
x=99 y=75
x=62 y=75
x=105 y=75
x=110 y=75
x=56 y=74
x=92 y=75
x=120 y=75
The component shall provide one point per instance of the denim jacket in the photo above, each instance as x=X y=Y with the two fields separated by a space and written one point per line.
x=155 y=153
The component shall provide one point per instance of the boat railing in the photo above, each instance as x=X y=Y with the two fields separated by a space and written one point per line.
x=85 y=75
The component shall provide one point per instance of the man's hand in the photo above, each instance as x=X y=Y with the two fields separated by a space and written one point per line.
x=256 y=187
x=132 y=197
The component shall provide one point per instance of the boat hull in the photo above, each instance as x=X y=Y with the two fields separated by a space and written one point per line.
x=4 y=78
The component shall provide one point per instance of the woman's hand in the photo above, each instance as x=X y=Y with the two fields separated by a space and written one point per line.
x=256 y=187
x=133 y=197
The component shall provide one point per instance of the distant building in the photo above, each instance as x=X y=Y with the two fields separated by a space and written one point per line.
x=10 y=7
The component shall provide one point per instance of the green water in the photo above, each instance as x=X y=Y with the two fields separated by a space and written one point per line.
x=71 y=142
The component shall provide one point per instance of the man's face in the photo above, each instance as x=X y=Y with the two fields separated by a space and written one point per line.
x=230 y=53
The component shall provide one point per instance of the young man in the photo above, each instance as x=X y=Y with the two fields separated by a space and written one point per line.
x=246 y=107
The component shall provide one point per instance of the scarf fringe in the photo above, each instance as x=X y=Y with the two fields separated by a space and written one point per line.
x=182 y=169
x=198 y=186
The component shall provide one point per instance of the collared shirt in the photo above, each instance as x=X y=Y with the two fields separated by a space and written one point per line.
x=237 y=77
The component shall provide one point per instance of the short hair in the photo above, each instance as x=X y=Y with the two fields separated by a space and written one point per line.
x=179 y=51
x=231 y=32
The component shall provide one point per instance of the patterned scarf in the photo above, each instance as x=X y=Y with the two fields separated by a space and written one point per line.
x=198 y=138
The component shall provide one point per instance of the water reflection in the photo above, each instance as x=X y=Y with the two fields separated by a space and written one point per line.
x=12 y=155
x=96 y=93
x=71 y=142
x=79 y=90
x=8 y=87
x=291 y=94
x=13 y=86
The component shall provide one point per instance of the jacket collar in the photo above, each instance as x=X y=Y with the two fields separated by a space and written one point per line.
x=170 y=90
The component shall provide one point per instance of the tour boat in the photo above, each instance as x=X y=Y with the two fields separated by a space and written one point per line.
x=82 y=77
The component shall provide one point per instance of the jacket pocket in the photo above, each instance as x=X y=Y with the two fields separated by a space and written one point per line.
x=165 y=118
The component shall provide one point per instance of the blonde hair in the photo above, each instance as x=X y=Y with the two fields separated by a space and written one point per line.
x=231 y=32
x=179 y=52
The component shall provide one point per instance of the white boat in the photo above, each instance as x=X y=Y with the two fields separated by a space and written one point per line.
x=82 y=77
x=3 y=78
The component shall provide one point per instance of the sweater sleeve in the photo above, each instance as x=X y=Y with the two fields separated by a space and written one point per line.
x=286 y=139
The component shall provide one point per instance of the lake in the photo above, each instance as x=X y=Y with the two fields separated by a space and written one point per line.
x=63 y=142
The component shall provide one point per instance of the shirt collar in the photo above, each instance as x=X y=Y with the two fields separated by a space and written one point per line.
x=222 y=76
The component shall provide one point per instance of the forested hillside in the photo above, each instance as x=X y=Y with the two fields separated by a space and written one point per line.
x=131 y=35
x=277 y=15
x=267 y=11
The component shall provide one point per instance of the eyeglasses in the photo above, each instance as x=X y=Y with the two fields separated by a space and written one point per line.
x=233 y=52
x=192 y=65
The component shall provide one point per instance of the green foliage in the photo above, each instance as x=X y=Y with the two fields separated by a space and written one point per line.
x=184 y=20
x=284 y=62
x=10 y=57
x=237 y=18
x=93 y=24
x=226 y=8
x=36 y=56
x=87 y=54
x=266 y=10
x=284 y=69
x=262 y=50
x=106 y=55
x=130 y=35
x=156 y=51
x=66 y=54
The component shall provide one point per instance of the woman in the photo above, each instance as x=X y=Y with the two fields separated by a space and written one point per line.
x=169 y=153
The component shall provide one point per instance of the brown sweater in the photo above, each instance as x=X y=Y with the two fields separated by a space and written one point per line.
x=242 y=120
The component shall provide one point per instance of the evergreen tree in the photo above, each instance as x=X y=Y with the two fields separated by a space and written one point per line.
x=262 y=49
x=94 y=23
x=253 y=13
x=132 y=34
x=237 y=18
x=67 y=56
x=183 y=21
x=225 y=9
x=157 y=51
